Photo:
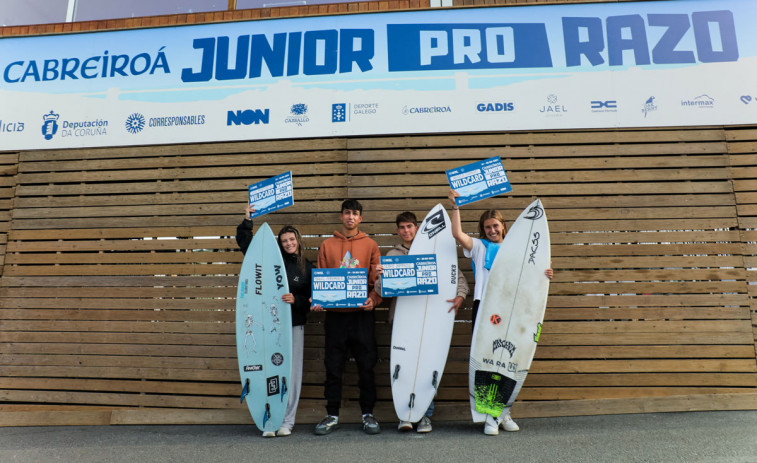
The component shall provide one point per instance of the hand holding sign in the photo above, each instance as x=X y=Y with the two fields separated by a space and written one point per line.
x=479 y=180
x=340 y=288
x=410 y=275
x=271 y=195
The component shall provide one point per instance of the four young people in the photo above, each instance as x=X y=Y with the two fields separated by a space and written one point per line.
x=352 y=330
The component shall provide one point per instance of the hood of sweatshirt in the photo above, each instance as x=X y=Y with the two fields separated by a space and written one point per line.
x=360 y=235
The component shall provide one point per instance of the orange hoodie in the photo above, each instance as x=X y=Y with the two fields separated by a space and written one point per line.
x=358 y=251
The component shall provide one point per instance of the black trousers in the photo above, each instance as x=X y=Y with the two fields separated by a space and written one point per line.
x=350 y=332
x=475 y=313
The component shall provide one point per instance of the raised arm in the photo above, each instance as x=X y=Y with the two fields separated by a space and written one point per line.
x=244 y=230
x=457 y=226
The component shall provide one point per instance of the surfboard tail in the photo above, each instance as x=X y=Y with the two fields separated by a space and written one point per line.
x=492 y=392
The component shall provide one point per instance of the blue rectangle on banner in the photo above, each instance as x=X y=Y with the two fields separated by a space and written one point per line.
x=271 y=194
x=340 y=287
x=427 y=47
x=410 y=275
x=479 y=180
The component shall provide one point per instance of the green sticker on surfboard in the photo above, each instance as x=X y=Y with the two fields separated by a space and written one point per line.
x=492 y=391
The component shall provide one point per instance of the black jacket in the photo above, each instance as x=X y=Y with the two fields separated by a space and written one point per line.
x=299 y=283
x=244 y=235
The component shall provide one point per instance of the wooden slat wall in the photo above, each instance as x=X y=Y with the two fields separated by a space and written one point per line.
x=649 y=299
x=120 y=271
x=8 y=167
x=742 y=147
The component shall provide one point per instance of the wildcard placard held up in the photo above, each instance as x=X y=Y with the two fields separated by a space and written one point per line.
x=271 y=194
x=479 y=180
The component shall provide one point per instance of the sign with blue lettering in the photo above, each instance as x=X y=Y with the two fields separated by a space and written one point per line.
x=493 y=69
x=480 y=180
x=340 y=287
x=271 y=194
x=409 y=275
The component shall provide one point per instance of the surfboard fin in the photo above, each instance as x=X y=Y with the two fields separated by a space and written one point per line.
x=267 y=414
x=396 y=373
x=412 y=400
x=434 y=379
x=245 y=390
x=284 y=388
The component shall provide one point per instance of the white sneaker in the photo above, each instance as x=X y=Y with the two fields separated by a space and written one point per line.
x=424 y=425
x=491 y=426
x=269 y=434
x=508 y=424
x=405 y=426
x=283 y=432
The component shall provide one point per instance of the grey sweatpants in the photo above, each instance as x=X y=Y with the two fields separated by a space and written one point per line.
x=295 y=381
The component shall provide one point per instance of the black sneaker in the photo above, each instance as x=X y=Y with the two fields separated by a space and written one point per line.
x=370 y=425
x=327 y=425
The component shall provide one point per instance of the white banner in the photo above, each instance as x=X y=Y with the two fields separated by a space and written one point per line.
x=642 y=64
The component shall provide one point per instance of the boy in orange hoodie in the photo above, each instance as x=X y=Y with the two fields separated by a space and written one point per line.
x=350 y=329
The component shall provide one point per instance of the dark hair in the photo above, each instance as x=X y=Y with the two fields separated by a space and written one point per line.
x=298 y=237
x=490 y=214
x=406 y=216
x=353 y=205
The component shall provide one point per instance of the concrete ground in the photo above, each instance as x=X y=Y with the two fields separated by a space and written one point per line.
x=727 y=437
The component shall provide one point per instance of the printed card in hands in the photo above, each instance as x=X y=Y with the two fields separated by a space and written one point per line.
x=410 y=275
x=340 y=287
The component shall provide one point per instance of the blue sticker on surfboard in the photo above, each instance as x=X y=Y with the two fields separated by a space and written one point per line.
x=480 y=180
x=340 y=287
x=271 y=194
x=410 y=275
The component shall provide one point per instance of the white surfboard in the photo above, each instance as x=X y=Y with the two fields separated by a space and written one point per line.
x=264 y=331
x=422 y=328
x=508 y=325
